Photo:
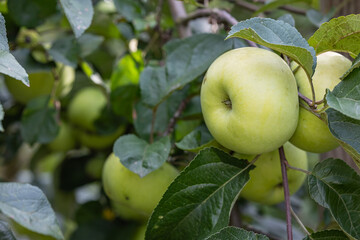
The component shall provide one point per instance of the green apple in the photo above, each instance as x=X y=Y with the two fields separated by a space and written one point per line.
x=127 y=213
x=41 y=83
x=312 y=134
x=65 y=140
x=66 y=80
x=140 y=233
x=27 y=38
x=138 y=194
x=249 y=100
x=83 y=110
x=265 y=185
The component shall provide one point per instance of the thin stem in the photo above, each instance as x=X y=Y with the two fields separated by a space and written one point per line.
x=299 y=222
x=286 y=193
x=153 y=124
x=305 y=99
x=297 y=169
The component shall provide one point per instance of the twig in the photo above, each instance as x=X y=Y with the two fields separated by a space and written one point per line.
x=286 y=193
x=297 y=169
x=299 y=222
x=221 y=15
x=181 y=108
x=178 y=11
x=305 y=99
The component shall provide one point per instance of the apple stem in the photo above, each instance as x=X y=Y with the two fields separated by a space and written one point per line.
x=286 y=193
x=305 y=99
x=299 y=222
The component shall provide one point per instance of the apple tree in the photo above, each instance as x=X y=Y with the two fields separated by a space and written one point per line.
x=197 y=119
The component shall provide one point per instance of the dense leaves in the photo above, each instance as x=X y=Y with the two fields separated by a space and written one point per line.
x=1 y=118
x=197 y=205
x=186 y=60
x=139 y=156
x=39 y=121
x=339 y=34
x=336 y=186
x=79 y=13
x=28 y=206
x=277 y=35
x=65 y=50
x=195 y=140
x=233 y=233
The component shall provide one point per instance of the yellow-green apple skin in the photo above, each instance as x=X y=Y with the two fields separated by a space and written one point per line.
x=127 y=213
x=140 y=233
x=265 y=184
x=312 y=134
x=141 y=195
x=249 y=100
x=65 y=140
x=83 y=110
x=41 y=83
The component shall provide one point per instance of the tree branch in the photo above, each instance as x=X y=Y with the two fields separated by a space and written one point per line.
x=221 y=16
x=178 y=11
x=286 y=193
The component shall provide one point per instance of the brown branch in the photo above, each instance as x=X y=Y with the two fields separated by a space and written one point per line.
x=221 y=16
x=286 y=193
x=178 y=11
x=181 y=108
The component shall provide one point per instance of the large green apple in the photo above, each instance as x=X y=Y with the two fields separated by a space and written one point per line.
x=312 y=134
x=41 y=83
x=137 y=194
x=127 y=213
x=265 y=185
x=249 y=100
x=83 y=110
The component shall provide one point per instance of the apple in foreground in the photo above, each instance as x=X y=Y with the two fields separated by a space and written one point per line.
x=312 y=134
x=83 y=111
x=137 y=194
x=249 y=100
x=265 y=185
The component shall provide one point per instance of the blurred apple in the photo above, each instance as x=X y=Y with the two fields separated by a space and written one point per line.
x=65 y=140
x=265 y=185
x=140 y=195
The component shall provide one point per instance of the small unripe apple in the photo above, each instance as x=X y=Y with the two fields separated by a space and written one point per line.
x=84 y=109
x=312 y=134
x=133 y=192
x=249 y=100
x=65 y=140
x=265 y=185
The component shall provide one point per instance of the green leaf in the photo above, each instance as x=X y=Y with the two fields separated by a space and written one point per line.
x=327 y=235
x=65 y=50
x=130 y=9
x=196 y=140
x=140 y=157
x=8 y=64
x=339 y=34
x=31 y=13
x=347 y=130
x=88 y=43
x=124 y=94
x=345 y=97
x=198 y=202
x=28 y=206
x=165 y=111
x=79 y=13
x=275 y=4
x=233 y=233
x=355 y=64
x=38 y=121
x=127 y=70
x=288 y=18
x=1 y=117
x=5 y=231
x=317 y=18
x=186 y=60
x=279 y=36
x=336 y=186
